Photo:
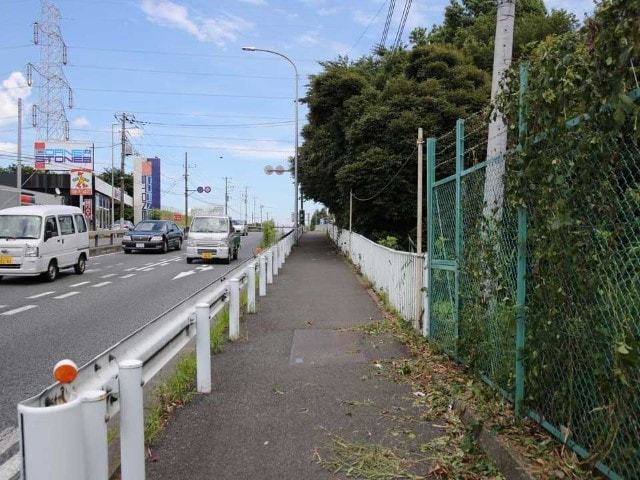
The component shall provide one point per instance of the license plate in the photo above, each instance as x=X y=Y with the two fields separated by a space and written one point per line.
x=139 y=245
x=208 y=255
x=6 y=260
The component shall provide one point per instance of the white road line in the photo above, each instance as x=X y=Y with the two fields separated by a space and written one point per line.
x=18 y=310
x=204 y=268
x=78 y=284
x=147 y=269
x=40 y=295
x=184 y=274
x=109 y=275
x=2 y=306
x=10 y=468
x=92 y=270
x=66 y=295
x=8 y=438
x=98 y=285
x=128 y=275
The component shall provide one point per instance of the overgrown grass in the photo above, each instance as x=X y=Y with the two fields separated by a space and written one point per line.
x=220 y=326
x=174 y=391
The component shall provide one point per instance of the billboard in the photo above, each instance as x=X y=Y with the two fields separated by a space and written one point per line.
x=146 y=187
x=81 y=183
x=57 y=155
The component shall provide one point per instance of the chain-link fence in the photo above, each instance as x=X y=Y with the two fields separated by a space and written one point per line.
x=542 y=298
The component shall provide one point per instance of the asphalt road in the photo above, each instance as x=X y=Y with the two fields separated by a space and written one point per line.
x=79 y=316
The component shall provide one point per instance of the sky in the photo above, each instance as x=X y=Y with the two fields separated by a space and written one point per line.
x=178 y=68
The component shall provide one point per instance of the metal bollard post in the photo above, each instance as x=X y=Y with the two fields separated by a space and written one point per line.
x=276 y=261
x=269 y=268
x=131 y=420
x=251 y=288
x=282 y=254
x=263 y=275
x=94 y=412
x=234 y=309
x=203 y=348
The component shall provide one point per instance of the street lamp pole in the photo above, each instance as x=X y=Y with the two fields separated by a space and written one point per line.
x=296 y=100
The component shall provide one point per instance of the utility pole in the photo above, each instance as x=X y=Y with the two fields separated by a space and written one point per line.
x=226 y=193
x=261 y=207
x=253 y=214
x=19 y=167
x=419 y=213
x=186 y=191
x=123 y=153
x=245 y=204
x=497 y=136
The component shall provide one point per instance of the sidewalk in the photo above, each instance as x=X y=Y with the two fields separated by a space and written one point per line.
x=299 y=378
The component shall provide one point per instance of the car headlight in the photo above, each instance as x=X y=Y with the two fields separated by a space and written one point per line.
x=126 y=238
x=157 y=238
x=191 y=243
x=32 y=251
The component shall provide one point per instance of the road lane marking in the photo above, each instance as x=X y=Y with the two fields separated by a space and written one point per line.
x=8 y=438
x=44 y=294
x=98 y=285
x=147 y=269
x=109 y=275
x=129 y=275
x=66 y=295
x=78 y=284
x=92 y=270
x=18 y=310
x=184 y=274
x=10 y=468
x=204 y=268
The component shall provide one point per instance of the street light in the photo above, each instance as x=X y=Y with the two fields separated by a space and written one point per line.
x=295 y=161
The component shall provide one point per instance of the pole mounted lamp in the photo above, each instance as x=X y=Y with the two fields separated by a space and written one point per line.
x=296 y=101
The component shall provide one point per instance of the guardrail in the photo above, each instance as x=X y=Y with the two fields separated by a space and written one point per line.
x=63 y=430
x=398 y=275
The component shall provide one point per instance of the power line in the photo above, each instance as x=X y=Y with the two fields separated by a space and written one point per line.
x=387 y=24
x=373 y=19
x=247 y=139
x=178 y=114
x=189 y=94
x=401 y=25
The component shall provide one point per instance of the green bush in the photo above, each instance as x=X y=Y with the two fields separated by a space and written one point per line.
x=268 y=234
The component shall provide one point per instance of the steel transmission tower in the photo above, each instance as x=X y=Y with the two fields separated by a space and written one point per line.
x=49 y=115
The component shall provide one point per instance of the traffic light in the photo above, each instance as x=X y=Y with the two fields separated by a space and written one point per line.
x=301 y=215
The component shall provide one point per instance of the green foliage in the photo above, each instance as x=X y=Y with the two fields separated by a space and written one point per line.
x=128 y=179
x=389 y=241
x=269 y=234
x=13 y=168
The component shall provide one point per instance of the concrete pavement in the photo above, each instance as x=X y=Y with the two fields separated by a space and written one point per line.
x=300 y=376
x=79 y=316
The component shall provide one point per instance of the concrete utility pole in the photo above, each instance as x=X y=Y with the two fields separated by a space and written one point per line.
x=19 y=167
x=226 y=193
x=186 y=191
x=123 y=153
x=261 y=207
x=245 y=205
x=253 y=214
x=113 y=186
x=497 y=136
x=419 y=213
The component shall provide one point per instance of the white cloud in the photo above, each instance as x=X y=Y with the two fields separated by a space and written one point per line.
x=8 y=147
x=311 y=38
x=340 y=48
x=364 y=18
x=219 y=30
x=327 y=11
x=255 y=2
x=80 y=122
x=13 y=87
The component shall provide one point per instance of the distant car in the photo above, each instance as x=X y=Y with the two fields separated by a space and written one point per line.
x=42 y=240
x=154 y=235
x=126 y=225
x=240 y=227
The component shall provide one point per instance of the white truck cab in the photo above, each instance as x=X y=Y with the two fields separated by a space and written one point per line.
x=212 y=237
x=41 y=240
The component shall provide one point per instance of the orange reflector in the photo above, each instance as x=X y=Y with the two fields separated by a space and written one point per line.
x=65 y=371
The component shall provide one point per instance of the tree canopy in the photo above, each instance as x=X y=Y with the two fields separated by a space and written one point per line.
x=364 y=113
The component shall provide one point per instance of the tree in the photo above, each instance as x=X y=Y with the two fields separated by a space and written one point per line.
x=128 y=179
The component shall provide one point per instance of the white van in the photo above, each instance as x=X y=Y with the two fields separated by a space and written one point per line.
x=42 y=239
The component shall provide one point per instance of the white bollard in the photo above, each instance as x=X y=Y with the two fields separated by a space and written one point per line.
x=96 y=448
x=276 y=260
x=131 y=420
x=251 y=288
x=203 y=348
x=269 y=267
x=263 y=275
x=234 y=309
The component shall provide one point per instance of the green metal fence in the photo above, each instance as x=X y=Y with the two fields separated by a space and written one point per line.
x=557 y=333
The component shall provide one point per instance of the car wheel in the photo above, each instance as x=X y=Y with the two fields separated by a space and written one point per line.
x=80 y=267
x=235 y=254
x=165 y=246
x=189 y=261
x=179 y=245
x=52 y=272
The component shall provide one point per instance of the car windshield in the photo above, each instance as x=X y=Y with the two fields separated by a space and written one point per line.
x=237 y=222
x=151 y=227
x=209 y=225
x=20 y=226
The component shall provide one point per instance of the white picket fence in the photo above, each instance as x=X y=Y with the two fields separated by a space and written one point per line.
x=392 y=272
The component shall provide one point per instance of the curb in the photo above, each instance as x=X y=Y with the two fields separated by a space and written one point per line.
x=95 y=251
x=507 y=461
